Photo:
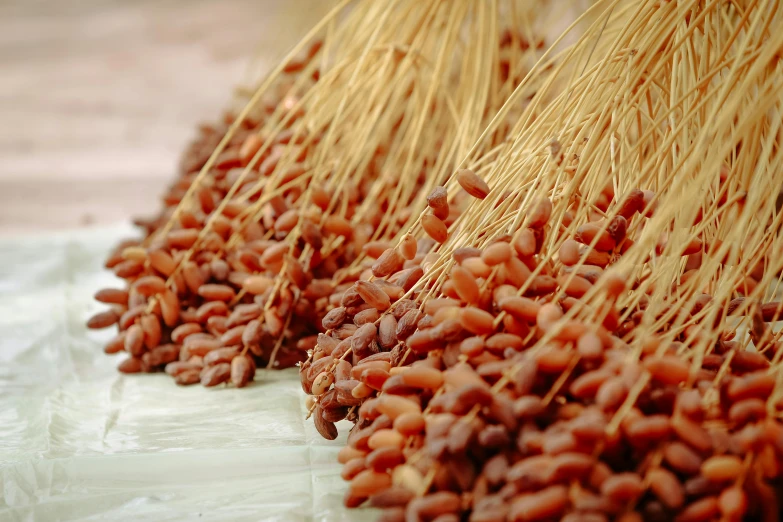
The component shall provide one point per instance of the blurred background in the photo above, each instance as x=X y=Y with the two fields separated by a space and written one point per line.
x=99 y=97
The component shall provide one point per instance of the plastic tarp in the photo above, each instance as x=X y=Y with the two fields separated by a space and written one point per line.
x=80 y=441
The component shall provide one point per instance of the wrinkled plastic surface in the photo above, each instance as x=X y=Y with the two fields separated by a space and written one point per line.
x=79 y=441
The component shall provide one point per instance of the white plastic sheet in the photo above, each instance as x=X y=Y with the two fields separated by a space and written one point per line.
x=79 y=441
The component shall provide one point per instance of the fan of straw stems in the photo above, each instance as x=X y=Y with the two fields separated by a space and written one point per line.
x=591 y=338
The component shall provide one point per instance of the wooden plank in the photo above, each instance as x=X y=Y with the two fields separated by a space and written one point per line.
x=99 y=97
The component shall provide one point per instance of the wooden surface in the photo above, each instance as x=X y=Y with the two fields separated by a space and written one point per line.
x=98 y=97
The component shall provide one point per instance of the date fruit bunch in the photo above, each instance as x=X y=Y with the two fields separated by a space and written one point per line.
x=275 y=209
x=529 y=387
x=193 y=303
x=592 y=339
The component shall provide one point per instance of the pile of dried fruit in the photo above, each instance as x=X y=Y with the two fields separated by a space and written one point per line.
x=572 y=347
x=489 y=401
x=274 y=209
